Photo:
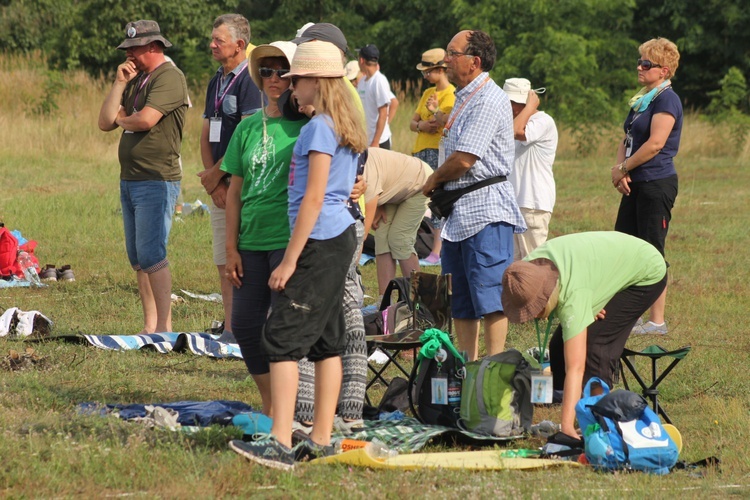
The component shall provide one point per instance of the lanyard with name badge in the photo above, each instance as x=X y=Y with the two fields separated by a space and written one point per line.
x=214 y=132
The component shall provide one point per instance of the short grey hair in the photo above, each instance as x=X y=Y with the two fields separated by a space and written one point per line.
x=238 y=26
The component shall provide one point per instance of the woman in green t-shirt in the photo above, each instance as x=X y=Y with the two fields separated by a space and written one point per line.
x=258 y=157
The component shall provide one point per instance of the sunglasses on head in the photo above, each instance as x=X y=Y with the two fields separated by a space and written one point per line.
x=268 y=72
x=647 y=65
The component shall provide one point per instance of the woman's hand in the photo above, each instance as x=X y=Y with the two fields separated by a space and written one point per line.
x=233 y=268
x=623 y=186
x=432 y=104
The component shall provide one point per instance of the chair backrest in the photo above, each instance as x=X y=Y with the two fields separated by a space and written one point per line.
x=432 y=291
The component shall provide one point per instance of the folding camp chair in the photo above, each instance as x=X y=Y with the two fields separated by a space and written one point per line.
x=429 y=291
x=654 y=353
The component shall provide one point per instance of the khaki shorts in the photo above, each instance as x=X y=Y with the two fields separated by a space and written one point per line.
x=219 y=228
x=398 y=234
x=537 y=223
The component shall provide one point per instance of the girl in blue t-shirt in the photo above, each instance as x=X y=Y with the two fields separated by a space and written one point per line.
x=307 y=319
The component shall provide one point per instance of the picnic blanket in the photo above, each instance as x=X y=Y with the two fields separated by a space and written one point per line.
x=190 y=413
x=365 y=258
x=199 y=343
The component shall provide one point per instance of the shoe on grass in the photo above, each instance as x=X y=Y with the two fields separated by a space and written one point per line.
x=65 y=273
x=309 y=450
x=266 y=451
x=433 y=258
x=49 y=273
x=650 y=328
x=348 y=427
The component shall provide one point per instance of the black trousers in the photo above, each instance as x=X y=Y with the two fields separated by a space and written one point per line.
x=606 y=338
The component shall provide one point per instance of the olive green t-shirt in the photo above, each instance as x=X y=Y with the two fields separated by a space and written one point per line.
x=593 y=268
x=264 y=224
x=155 y=154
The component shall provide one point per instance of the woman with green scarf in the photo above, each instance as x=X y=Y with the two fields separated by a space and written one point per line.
x=644 y=172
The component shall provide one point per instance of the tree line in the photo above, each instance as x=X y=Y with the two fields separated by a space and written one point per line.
x=583 y=51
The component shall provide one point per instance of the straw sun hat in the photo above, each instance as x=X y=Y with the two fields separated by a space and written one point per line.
x=527 y=286
x=317 y=59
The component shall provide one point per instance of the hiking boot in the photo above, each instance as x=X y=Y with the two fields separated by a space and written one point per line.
x=650 y=328
x=49 y=273
x=65 y=273
x=266 y=451
x=348 y=427
x=308 y=450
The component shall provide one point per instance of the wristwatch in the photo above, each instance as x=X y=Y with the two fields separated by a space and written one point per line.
x=624 y=168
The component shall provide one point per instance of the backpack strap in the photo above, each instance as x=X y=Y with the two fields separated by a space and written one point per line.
x=416 y=381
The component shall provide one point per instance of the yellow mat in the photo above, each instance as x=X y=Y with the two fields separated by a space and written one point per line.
x=466 y=460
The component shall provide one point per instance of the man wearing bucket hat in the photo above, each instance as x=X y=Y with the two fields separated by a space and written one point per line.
x=148 y=100
x=231 y=96
x=532 y=179
x=598 y=284
x=478 y=153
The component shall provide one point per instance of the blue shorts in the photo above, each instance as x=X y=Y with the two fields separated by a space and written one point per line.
x=147 y=208
x=477 y=265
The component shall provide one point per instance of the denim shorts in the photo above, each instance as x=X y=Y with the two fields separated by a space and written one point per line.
x=147 y=208
x=477 y=265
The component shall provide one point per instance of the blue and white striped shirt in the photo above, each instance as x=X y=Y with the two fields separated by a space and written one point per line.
x=483 y=128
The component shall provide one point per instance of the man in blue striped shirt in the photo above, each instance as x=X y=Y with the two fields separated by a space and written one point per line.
x=478 y=235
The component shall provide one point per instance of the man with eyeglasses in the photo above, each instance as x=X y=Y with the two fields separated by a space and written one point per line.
x=477 y=237
x=231 y=96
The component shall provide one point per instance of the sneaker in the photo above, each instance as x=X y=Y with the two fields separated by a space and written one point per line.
x=267 y=452
x=650 y=328
x=350 y=427
x=300 y=432
x=637 y=325
x=65 y=273
x=308 y=450
x=49 y=273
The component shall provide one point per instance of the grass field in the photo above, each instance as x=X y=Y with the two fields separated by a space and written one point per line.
x=60 y=188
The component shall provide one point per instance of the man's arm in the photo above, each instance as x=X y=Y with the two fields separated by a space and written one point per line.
x=140 y=121
x=454 y=167
x=382 y=119
x=520 y=121
x=111 y=108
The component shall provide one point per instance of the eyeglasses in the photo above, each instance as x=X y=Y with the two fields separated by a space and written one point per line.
x=268 y=72
x=453 y=53
x=426 y=72
x=647 y=65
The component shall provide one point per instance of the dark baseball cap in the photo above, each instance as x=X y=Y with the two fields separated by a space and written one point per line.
x=325 y=32
x=143 y=32
x=369 y=53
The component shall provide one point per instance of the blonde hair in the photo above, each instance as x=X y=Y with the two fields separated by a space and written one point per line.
x=663 y=52
x=336 y=100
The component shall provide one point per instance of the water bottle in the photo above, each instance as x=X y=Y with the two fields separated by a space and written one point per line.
x=379 y=451
x=29 y=271
x=454 y=392
x=344 y=445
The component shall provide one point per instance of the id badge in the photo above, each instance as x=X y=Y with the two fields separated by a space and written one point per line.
x=628 y=145
x=214 y=131
x=439 y=390
x=441 y=151
x=541 y=388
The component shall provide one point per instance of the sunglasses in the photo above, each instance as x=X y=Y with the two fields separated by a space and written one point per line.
x=268 y=72
x=647 y=65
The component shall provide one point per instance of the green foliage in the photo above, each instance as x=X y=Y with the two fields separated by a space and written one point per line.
x=54 y=83
x=727 y=106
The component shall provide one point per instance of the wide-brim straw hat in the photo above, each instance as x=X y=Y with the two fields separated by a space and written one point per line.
x=317 y=59
x=273 y=49
x=433 y=58
x=527 y=287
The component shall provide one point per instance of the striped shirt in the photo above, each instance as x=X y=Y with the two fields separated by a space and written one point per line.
x=483 y=127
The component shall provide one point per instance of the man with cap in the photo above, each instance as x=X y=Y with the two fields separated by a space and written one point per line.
x=376 y=95
x=231 y=96
x=148 y=100
x=598 y=284
x=531 y=177
x=478 y=235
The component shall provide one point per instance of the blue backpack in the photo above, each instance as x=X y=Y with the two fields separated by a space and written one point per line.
x=621 y=432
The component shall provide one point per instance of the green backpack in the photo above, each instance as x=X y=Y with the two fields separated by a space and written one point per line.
x=496 y=395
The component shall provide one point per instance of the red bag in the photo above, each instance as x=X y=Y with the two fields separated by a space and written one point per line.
x=8 y=252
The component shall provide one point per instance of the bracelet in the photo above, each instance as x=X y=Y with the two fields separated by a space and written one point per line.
x=623 y=167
